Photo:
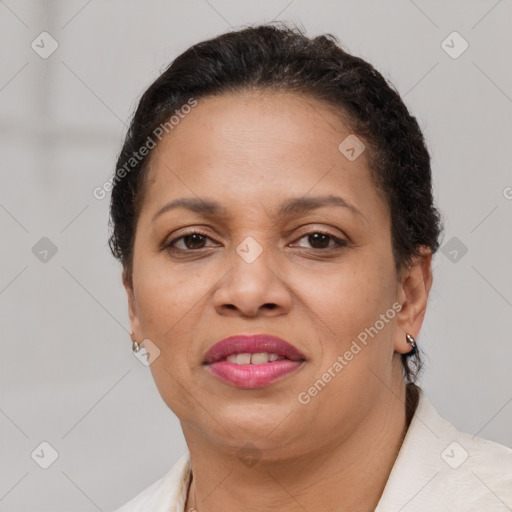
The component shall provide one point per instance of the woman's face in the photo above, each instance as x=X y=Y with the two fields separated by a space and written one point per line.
x=251 y=154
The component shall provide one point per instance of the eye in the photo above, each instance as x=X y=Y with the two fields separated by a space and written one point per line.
x=196 y=240
x=189 y=242
x=319 y=240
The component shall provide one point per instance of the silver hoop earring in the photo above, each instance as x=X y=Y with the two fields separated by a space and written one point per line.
x=412 y=342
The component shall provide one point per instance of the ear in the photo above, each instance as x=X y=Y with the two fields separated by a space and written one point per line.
x=413 y=291
x=132 y=307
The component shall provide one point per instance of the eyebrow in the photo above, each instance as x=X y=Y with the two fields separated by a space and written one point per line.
x=293 y=206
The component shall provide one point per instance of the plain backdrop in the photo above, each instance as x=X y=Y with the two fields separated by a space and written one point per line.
x=67 y=374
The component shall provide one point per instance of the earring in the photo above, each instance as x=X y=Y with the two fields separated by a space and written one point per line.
x=412 y=342
x=135 y=345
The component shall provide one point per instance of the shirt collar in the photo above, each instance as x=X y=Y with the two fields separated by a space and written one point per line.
x=419 y=459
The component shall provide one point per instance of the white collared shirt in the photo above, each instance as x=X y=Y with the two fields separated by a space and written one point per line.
x=438 y=469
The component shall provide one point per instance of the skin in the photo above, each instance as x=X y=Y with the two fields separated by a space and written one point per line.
x=250 y=152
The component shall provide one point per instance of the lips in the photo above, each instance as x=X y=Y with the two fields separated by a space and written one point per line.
x=250 y=365
x=252 y=344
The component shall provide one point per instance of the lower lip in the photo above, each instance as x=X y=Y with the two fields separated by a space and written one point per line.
x=252 y=376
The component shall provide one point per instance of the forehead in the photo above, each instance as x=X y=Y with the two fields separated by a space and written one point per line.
x=256 y=146
x=259 y=124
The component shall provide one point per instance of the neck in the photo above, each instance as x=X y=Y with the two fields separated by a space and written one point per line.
x=344 y=474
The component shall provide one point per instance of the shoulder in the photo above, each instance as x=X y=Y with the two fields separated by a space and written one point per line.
x=477 y=473
x=442 y=468
x=167 y=494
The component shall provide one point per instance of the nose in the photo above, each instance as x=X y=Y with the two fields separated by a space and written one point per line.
x=251 y=289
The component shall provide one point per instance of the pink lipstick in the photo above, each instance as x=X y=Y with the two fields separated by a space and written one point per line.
x=252 y=361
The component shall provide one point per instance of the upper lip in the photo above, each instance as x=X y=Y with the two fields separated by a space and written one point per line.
x=251 y=343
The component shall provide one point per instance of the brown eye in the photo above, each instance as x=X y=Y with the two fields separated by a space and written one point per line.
x=188 y=243
x=320 y=240
x=194 y=241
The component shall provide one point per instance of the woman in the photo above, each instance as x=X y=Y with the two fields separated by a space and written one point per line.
x=273 y=213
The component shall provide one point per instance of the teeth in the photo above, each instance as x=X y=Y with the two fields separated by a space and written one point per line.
x=259 y=358
x=256 y=358
x=243 y=359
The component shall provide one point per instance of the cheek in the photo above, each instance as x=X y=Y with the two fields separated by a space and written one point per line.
x=165 y=296
x=348 y=304
x=356 y=289
x=169 y=303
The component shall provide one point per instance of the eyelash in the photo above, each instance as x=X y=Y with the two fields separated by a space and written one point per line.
x=339 y=242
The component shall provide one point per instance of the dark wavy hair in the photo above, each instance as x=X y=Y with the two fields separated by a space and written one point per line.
x=276 y=57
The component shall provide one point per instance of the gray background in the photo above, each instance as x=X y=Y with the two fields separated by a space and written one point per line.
x=68 y=376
